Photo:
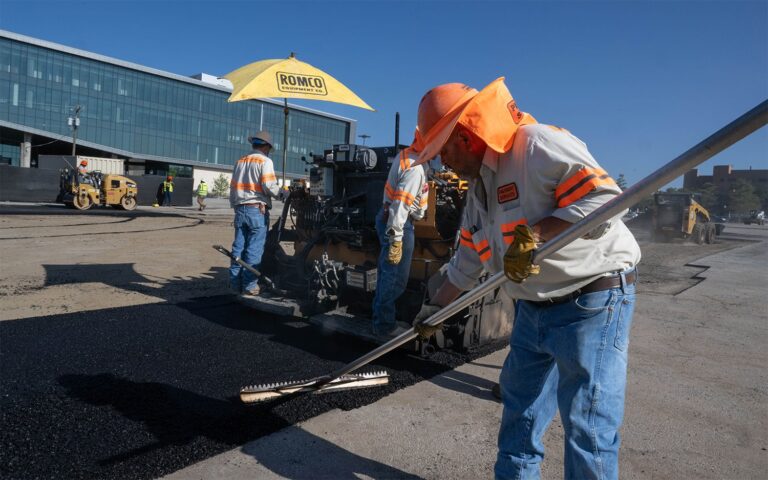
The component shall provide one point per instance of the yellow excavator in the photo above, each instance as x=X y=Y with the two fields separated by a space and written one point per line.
x=84 y=190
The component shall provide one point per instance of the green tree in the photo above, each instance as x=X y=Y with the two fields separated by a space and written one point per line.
x=742 y=197
x=762 y=194
x=709 y=197
x=220 y=186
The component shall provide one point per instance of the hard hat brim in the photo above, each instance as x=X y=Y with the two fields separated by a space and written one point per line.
x=491 y=114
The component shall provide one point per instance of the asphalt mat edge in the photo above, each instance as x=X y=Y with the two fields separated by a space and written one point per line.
x=140 y=392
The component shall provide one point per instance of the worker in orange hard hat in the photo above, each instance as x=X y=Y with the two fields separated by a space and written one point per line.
x=82 y=172
x=529 y=182
x=168 y=190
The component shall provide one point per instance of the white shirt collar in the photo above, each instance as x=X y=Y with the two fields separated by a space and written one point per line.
x=491 y=159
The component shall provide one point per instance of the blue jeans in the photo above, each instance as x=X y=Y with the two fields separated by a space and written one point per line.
x=391 y=280
x=250 y=235
x=167 y=198
x=571 y=356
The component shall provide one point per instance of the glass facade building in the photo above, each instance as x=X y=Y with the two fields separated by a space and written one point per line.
x=143 y=114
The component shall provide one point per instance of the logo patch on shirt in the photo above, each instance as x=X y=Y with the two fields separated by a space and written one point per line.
x=507 y=193
x=517 y=115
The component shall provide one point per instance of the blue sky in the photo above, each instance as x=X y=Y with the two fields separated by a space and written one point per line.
x=639 y=82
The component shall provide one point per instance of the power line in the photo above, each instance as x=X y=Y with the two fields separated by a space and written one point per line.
x=48 y=143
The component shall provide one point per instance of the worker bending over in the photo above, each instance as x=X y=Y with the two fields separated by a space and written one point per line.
x=252 y=188
x=529 y=182
x=405 y=200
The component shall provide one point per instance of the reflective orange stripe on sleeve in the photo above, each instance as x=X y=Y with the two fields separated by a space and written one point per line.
x=256 y=187
x=508 y=230
x=389 y=191
x=484 y=250
x=405 y=163
x=423 y=202
x=404 y=197
x=465 y=238
x=249 y=159
x=398 y=195
x=580 y=184
x=268 y=177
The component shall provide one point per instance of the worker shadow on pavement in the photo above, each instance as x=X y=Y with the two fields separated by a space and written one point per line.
x=175 y=418
x=466 y=383
x=295 y=453
x=125 y=277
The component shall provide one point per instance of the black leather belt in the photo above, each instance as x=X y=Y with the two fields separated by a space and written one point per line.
x=603 y=283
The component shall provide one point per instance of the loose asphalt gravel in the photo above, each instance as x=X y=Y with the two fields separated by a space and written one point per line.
x=143 y=391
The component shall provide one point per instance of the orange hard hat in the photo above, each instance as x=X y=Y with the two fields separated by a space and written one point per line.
x=84 y=163
x=440 y=101
x=169 y=178
x=491 y=114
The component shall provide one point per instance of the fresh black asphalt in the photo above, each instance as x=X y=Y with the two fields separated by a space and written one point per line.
x=139 y=392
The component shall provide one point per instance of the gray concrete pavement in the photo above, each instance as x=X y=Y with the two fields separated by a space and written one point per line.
x=697 y=400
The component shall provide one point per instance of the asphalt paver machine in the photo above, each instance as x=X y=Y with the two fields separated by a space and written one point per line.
x=321 y=256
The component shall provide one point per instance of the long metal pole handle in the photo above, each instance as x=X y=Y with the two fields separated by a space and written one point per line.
x=712 y=145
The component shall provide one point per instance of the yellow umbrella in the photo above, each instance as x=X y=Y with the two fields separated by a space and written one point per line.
x=288 y=78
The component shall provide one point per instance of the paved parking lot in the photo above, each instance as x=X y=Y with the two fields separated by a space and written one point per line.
x=121 y=352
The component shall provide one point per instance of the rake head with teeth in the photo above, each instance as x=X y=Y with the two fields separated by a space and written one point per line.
x=260 y=393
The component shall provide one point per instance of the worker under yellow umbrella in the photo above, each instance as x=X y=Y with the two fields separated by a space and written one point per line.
x=288 y=78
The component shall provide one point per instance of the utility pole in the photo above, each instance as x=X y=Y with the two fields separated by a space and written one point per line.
x=74 y=122
x=364 y=137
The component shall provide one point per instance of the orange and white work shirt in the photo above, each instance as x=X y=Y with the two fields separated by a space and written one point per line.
x=253 y=181
x=548 y=172
x=405 y=193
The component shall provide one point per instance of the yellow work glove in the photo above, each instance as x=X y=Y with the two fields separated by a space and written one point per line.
x=518 y=261
x=395 y=252
x=422 y=330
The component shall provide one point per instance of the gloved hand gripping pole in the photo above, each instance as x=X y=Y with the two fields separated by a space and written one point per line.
x=712 y=145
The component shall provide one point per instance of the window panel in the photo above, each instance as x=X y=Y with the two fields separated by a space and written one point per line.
x=145 y=113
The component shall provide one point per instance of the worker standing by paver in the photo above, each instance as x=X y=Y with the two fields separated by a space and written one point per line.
x=405 y=200
x=202 y=192
x=252 y=188
x=168 y=191
x=529 y=182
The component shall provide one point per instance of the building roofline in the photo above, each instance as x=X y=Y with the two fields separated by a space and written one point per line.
x=153 y=71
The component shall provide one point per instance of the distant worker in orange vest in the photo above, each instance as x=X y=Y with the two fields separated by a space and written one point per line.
x=167 y=190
